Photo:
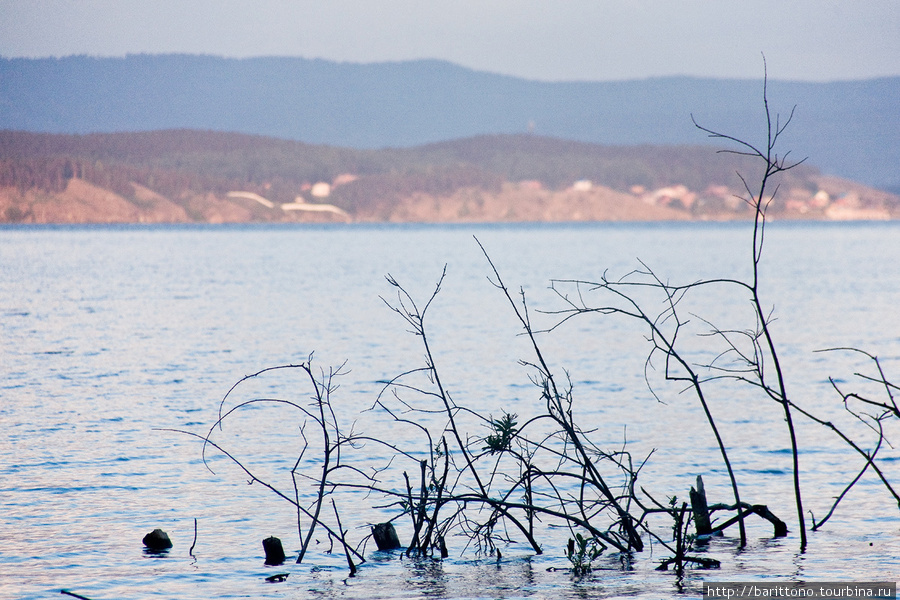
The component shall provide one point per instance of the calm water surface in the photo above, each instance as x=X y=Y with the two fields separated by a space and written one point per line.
x=111 y=335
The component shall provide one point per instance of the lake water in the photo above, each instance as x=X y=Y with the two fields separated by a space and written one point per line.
x=111 y=335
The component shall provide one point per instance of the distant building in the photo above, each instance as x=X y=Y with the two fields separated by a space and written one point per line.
x=320 y=190
x=821 y=199
x=582 y=185
x=673 y=195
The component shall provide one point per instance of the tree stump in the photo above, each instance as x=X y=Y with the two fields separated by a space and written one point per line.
x=700 y=508
x=385 y=536
x=274 y=550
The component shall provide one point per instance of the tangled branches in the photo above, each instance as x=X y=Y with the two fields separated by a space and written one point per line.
x=454 y=470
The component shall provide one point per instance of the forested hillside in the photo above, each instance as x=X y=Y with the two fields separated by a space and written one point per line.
x=189 y=171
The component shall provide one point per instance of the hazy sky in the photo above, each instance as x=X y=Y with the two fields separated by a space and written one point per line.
x=815 y=40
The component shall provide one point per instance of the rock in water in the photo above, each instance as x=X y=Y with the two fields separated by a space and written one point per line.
x=157 y=540
x=274 y=551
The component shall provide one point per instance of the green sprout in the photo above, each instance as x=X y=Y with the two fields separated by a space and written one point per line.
x=583 y=551
x=504 y=430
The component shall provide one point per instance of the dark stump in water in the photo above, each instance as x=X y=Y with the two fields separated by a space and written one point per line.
x=274 y=551
x=157 y=540
x=385 y=536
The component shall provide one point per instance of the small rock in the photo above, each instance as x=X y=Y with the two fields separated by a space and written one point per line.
x=157 y=540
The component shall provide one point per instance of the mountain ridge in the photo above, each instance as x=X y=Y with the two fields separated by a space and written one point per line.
x=848 y=128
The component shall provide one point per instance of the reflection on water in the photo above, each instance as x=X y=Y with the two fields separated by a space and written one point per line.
x=111 y=334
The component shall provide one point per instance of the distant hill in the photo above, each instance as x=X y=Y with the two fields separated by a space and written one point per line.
x=849 y=129
x=205 y=176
